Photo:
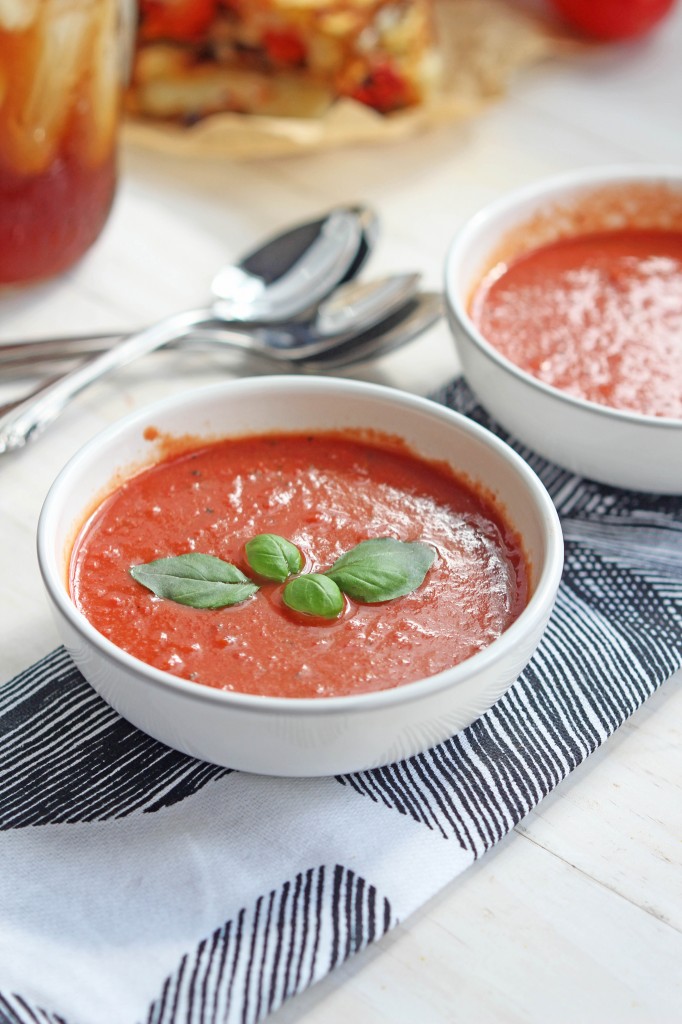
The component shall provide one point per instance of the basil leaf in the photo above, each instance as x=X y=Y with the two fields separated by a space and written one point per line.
x=200 y=581
x=273 y=557
x=314 y=594
x=382 y=569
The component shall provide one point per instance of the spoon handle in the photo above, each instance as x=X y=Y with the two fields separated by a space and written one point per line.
x=29 y=417
x=23 y=355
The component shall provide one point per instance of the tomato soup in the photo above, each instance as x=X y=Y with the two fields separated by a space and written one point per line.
x=325 y=493
x=598 y=316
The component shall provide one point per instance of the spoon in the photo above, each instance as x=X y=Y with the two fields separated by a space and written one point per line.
x=420 y=313
x=413 y=319
x=398 y=328
x=24 y=419
x=293 y=271
x=416 y=316
x=352 y=308
x=287 y=276
x=315 y=257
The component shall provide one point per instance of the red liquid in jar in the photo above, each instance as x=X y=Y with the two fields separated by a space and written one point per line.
x=59 y=105
x=47 y=223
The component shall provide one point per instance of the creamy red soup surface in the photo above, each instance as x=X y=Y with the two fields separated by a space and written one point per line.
x=598 y=316
x=325 y=493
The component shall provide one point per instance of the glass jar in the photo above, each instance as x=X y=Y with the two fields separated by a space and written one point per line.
x=62 y=65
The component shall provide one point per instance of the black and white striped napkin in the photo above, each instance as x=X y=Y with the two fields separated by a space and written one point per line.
x=140 y=885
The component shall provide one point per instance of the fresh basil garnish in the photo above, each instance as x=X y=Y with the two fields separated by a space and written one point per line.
x=382 y=569
x=200 y=581
x=314 y=594
x=374 y=570
x=273 y=557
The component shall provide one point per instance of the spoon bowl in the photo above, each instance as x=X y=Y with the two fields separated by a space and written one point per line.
x=292 y=272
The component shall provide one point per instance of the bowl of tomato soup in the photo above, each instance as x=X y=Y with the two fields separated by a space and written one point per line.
x=299 y=576
x=565 y=302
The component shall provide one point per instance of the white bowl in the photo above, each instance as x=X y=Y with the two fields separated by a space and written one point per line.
x=298 y=737
x=618 y=448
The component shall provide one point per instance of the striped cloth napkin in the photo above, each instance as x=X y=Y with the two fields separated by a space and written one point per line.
x=138 y=884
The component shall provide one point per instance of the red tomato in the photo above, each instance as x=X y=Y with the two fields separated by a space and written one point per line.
x=176 y=19
x=613 y=19
x=284 y=47
x=384 y=89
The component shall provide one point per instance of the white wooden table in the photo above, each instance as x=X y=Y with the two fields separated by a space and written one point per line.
x=577 y=916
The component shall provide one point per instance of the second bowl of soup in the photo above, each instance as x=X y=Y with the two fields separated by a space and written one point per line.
x=565 y=302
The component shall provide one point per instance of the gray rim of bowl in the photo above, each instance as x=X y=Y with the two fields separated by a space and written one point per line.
x=538 y=607
x=545 y=190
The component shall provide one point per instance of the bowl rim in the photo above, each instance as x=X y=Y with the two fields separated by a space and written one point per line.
x=545 y=188
x=536 y=610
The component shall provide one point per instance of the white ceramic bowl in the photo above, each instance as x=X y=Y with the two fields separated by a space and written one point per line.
x=621 y=449
x=297 y=737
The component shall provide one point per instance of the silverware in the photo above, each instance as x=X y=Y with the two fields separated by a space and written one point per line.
x=293 y=271
x=23 y=420
x=351 y=309
x=285 y=276
x=420 y=313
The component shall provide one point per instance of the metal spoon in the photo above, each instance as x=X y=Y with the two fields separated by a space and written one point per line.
x=413 y=319
x=293 y=271
x=397 y=329
x=420 y=313
x=24 y=419
x=416 y=316
x=286 y=277
x=352 y=308
x=262 y=293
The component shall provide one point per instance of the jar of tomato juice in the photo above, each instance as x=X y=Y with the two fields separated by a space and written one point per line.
x=61 y=76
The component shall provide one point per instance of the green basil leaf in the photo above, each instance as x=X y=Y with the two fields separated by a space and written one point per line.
x=273 y=557
x=200 y=581
x=382 y=569
x=314 y=594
